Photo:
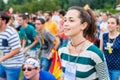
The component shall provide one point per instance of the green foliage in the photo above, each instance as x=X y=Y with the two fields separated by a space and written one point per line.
x=33 y=6
x=108 y=6
x=111 y=10
x=2 y=5
x=36 y=5
x=64 y=4
x=118 y=1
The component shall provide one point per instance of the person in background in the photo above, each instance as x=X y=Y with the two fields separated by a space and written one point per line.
x=81 y=59
x=31 y=70
x=63 y=38
x=48 y=41
x=56 y=17
x=103 y=25
x=110 y=45
x=40 y=14
x=11 y=56
x=50 y=24
x=29 y=20
x=30 y=45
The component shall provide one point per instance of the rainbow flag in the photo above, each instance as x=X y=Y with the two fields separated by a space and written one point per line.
x=56 y=67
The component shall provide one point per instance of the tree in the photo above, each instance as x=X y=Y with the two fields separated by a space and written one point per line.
x=36 y=5
x=2 y=5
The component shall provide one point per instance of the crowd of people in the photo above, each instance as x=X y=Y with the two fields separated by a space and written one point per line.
x=87 y=44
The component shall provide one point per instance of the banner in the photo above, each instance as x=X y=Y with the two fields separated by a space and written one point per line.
x=56 y=67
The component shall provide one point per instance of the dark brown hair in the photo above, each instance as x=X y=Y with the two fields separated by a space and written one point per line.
x=87 y=16
x=23 y=16
x=41 y=20
x=5 y=16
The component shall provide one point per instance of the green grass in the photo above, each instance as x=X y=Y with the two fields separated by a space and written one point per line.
x=21 y=75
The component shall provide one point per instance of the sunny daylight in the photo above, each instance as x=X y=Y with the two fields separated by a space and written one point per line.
x=59 y=39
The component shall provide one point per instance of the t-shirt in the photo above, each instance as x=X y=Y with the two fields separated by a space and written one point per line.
x=85 y=62
x=44 y=75
x=29 y=33
x=52 y=27
x=9 y=40
x=48 y=38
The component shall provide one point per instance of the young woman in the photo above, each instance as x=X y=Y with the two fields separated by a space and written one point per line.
x=110 y=44
x=81 y=60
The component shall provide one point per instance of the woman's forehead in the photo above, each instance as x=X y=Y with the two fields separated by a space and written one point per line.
x=112 y=19
x=72 y=13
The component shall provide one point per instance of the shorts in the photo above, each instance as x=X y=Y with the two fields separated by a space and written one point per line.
x=32 y=53
x=9 y=73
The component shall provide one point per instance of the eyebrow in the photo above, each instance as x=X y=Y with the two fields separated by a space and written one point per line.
x=69 y=17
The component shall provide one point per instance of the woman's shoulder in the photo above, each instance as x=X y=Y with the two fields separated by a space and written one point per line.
x=62 y=49
x=93 y=48
x=95 y=51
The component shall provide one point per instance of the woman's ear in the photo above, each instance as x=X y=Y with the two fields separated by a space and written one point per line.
x=84 y=25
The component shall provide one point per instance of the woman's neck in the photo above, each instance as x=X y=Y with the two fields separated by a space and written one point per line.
x=113 y=34
x=77 y=40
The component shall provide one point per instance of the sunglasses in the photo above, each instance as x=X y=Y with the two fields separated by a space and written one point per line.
x=28 y=69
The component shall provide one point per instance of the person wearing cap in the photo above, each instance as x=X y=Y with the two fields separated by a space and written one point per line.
x=31 y=70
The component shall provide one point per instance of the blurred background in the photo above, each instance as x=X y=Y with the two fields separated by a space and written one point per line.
x=31 y=6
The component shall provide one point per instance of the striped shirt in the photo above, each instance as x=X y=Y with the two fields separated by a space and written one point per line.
x=9 y=40
x=90 y=63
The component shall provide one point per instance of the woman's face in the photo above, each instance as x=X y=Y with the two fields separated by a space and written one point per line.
x=112 y=25
x=72 y=23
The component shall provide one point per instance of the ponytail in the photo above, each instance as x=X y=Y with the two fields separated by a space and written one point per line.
x=91 y=30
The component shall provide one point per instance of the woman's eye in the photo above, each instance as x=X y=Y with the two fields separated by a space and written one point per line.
x=71 y=20
x=65 y=20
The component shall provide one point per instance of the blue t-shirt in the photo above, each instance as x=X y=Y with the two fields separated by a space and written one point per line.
x=44 y=75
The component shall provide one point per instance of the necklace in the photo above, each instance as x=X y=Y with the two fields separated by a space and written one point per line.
x=76 y=59
x=110 y=49
x=74 y=48
x=77 y=44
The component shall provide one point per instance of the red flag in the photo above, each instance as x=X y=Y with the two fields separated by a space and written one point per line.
x=56 y=67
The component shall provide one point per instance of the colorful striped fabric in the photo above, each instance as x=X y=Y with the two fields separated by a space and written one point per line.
x=56 y=67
